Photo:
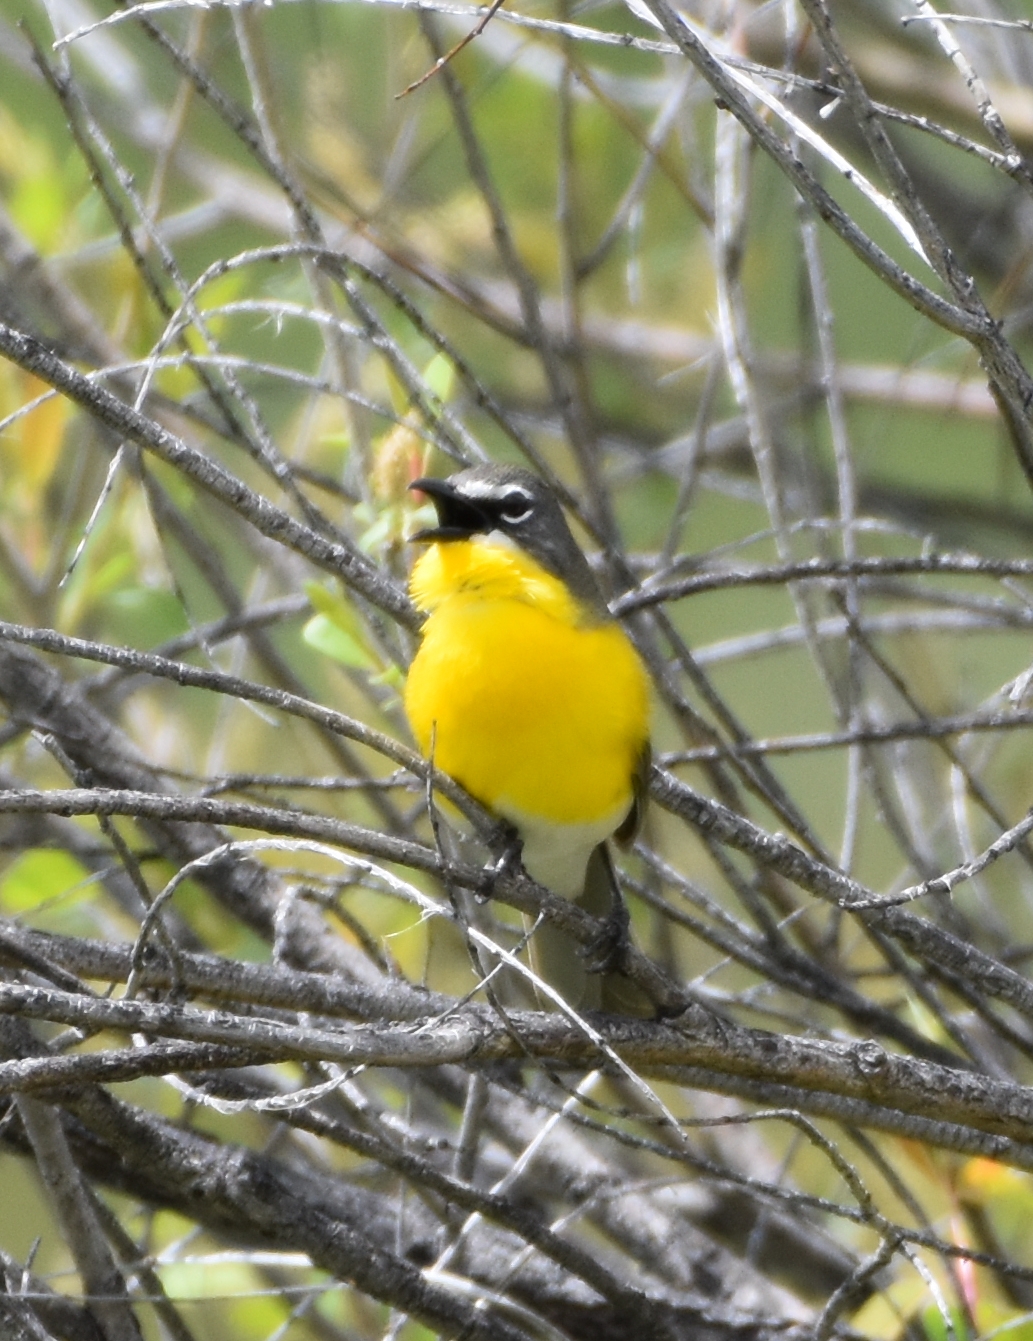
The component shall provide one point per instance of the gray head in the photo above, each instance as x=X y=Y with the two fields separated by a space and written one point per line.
x=517 y=504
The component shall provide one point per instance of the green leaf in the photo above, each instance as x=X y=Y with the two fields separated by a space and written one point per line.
x=440 y=377
x=936 y=1328
x=326 y=637
x=144 y=616
x=336 y=631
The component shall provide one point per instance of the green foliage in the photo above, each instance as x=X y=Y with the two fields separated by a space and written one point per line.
x=336 y=630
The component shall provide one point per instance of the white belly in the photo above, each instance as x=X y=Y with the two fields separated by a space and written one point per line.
x=556 y=855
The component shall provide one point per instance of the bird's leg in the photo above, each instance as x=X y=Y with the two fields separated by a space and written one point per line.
x=605 y=954
x=509 y=848
x=602 y=898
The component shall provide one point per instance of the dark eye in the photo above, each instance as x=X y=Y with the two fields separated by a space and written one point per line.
x=515 y=507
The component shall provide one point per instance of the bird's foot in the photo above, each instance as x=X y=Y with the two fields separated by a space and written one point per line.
x=507 y=864
x=605 y=954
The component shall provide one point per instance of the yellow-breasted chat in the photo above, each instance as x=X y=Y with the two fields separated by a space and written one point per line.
x=532 y=697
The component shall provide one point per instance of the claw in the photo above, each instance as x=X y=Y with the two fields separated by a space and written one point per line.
x=606 y=953
x=507 y=864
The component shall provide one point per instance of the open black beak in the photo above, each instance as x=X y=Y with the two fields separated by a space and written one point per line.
x=458 y=518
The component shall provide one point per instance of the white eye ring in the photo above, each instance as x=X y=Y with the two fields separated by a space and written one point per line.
x=515 y=507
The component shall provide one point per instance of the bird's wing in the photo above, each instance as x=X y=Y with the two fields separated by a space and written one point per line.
x=632 y=822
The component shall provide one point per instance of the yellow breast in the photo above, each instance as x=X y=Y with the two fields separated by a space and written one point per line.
x=534 y=706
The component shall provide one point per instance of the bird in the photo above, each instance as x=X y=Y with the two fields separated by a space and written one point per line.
x=529 y=694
